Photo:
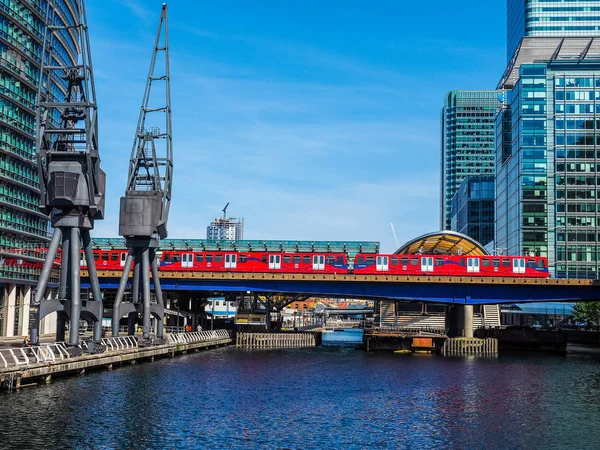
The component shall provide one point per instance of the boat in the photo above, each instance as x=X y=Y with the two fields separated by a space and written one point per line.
x=220 y=308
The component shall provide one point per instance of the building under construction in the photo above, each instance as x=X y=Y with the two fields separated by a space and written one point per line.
x=226 y=228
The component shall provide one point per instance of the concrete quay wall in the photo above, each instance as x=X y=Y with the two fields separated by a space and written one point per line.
x=43 y=372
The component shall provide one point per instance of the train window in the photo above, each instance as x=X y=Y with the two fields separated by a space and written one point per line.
x=485 y=262
x=439 y=261
x=370 y=260
x=339 y=260
x=404 y=261
x=219 y=258
x=360 y=260
x=414 y=261
x=306 y=260
x=296 y=260
x=167 y=257
x=461 y=261
x=243 y=258
x=331 y=260
x=209 y=258
x=96 y=256
x=217 y=303
x=287 y=259
x=496 y=262
x=114 y=256
x=104 y=256
x=394 y=260
x=176 y=257
x=541 y=264
x=531 y=263
x=505 y=262
x=199 y=258
x=264 y=258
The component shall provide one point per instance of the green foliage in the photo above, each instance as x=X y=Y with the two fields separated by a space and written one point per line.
x=587 y=311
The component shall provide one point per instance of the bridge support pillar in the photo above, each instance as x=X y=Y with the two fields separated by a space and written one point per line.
x=459 y=321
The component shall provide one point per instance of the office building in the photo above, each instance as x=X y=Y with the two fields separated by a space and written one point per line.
x=548 y=153
x=473 y=208
x=550 y=18
x=467 y=142
x=24 y=231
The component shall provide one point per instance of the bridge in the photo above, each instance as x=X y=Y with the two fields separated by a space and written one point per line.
x=432 y=289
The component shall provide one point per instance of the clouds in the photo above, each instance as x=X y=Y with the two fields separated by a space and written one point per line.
x=309 y=132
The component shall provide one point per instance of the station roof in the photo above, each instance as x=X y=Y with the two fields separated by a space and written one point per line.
x=349 y=247
x=445 y=243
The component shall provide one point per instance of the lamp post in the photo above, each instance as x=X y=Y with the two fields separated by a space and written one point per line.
x=176 y=303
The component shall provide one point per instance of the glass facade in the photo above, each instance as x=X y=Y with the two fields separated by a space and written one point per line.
x=23 y=228
x=473 y=208
x=468 y=142
x=549 y=18
x=548 y=167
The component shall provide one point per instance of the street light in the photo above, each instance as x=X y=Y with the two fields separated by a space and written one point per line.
x=176 y=303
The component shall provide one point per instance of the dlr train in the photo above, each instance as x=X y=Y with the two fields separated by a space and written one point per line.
x=334 y=263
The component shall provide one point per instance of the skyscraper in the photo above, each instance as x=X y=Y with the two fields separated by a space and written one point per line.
x=548 y=145
x=550 y=18
x=467 y=142
x=23 y=228
x=473 y=208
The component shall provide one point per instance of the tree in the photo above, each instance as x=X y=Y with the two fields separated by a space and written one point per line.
x=587 y=311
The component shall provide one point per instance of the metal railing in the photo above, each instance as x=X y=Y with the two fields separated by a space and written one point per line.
x=197 y=336
x=25 y=356
x=120 y=342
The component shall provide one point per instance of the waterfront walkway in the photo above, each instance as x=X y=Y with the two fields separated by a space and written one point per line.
x=40 y=363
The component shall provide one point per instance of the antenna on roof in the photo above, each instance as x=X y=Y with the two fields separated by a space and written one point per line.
x=225 y=211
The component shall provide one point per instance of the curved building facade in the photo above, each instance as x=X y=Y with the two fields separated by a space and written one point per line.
x=23 y=228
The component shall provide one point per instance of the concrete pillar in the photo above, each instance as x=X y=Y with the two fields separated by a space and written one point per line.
x=24 y=315
x=467 y=321
x=11 y=302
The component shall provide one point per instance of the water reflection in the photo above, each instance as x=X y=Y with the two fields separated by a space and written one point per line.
x=322 y=398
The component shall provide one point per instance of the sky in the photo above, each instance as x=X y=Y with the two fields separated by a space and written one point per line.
x=315 y=120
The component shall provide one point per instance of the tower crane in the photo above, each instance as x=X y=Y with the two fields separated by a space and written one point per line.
x=225 y=211
x=144 y=209
x=72 y=185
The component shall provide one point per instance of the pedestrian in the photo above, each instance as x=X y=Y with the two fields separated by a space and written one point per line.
x=199 y=328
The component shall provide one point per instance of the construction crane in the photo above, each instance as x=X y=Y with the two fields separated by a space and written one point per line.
x=144 y=208
x=225 y=211
x=72 y=185
x=395 y=236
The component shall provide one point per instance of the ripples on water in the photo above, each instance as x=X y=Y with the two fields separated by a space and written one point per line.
x=315 y=399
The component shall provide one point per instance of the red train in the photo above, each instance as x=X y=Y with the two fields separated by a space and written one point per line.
x=363 y=264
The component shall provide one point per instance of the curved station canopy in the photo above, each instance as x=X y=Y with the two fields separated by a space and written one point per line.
x=445 y=243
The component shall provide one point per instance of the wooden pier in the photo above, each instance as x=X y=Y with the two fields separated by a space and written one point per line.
x=276 y=340
x=470 y=346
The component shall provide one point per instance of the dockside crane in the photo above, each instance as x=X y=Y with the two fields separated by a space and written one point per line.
x=72 y=185
x=144 y=209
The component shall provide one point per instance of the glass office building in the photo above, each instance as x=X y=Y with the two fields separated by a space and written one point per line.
x=473 y=208
x=468 y=143
x=550 y=18
x=24 y=230
x=548 y=166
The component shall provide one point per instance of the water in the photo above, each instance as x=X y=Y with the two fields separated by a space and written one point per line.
x=320 y=398
x=350 y=337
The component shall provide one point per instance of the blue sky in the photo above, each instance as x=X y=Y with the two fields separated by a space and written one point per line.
x=316 y=120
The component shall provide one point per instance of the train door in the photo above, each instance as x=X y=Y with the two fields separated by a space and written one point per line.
x=274 y=261
x=82 y=261
x=427 y=264
x=519 y=265
x=122 y=259
x=382 y=263
x=473 y=265
x=230 y=261
x=318 y=262
x=187 y=260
